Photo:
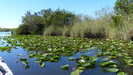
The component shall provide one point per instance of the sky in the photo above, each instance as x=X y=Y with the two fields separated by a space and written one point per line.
x=11 y=11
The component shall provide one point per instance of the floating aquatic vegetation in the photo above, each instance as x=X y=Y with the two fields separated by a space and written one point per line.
x=110 y=52
x=65 y=66
x=121 y=73
x=112 y=70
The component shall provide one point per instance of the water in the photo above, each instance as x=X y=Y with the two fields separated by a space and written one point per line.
x=2 y=34
x=49 y=69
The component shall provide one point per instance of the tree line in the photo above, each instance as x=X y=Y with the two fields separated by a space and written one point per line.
x=37 y=22
x=64 y=22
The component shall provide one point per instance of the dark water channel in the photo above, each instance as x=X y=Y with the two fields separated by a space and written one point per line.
x=51 y=68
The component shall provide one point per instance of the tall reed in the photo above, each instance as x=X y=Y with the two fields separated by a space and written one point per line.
x=101 y=26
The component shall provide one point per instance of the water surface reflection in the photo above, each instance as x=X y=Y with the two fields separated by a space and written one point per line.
x=51 y=68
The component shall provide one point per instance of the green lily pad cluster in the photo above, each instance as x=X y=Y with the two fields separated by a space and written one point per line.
x=8 y=45
x=115 y=53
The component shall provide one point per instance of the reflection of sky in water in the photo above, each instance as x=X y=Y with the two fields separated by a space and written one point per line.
x=5 y=34
x=2 y=34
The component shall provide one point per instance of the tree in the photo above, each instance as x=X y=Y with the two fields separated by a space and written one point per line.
x=46 y=13
x=33 y=22
x=59 y=17
x=37 y=22
x=123 y=7
x=22 y=29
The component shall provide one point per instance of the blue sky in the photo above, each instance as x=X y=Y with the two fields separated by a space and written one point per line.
x=11 y=11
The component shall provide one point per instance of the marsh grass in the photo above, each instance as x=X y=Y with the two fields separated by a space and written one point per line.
x=127 y=27
x=124 y=30
x=101 y=26
x=48 y=31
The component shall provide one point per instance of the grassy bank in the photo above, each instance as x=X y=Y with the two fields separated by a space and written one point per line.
x=101 y=27
x=104 y=24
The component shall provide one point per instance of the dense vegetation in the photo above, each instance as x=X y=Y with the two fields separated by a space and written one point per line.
x=37 y=22
x=107 y=24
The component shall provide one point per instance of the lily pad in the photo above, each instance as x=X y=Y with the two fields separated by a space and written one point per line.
x=76 y=72
x=121 y=73
x=71 y=58
x=23 y=59
x=65 y=66
x=128 y=61
x=42 y=64
x=105 y=63
x=86 y=64
x=112 y=70
x=19 y=55
x=93 y=58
